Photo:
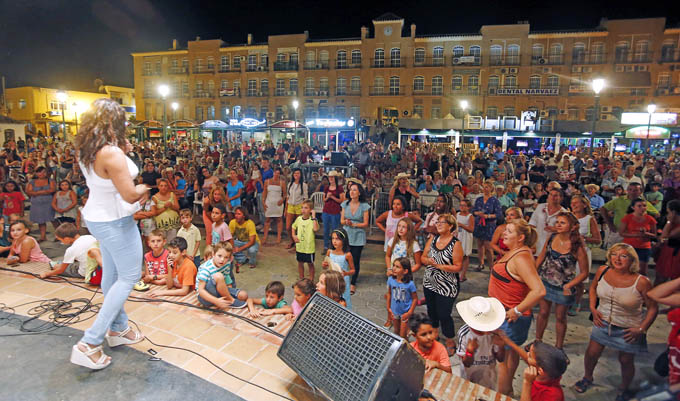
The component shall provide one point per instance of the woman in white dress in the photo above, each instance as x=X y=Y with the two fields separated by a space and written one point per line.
x=273 y=200
x=466 y=226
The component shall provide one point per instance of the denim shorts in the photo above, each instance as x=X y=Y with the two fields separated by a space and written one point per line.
x=518 y=331
x=612 y=336
x=556 y=295
x=211 y=287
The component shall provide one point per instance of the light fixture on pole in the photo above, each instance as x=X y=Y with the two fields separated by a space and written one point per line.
x=62 y=97
x=598 y=84
x=164 y=90
x=295 y=107
x=463 y=105
x=78 y=108
x=651 y=108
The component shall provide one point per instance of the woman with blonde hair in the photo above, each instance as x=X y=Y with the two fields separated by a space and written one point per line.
x=403 y=188
x=619 y=319
x=512 y=213
x=332 y=284
x=216 y=196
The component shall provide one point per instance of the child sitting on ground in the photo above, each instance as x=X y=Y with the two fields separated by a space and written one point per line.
x=156 y=260
x=76 y=258
x=426 y=343
x=191 y=234
x=208 y=253
x=213 y=282
x=478 y=348
x=24 y=247
x=305 y=242
x=303 y=289
x=273 y=302
x=181 y=275
x=220 y=229
x=542 y=377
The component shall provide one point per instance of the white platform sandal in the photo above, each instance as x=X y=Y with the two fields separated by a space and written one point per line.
x=120 y=338
x=82 y=358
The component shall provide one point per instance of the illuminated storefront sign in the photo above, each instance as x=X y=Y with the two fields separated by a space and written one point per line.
x=643 y=118
x=246 y=122
x=528 y=92
x=654 y=133
x=330 y=123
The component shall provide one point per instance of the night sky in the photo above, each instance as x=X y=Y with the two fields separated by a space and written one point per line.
x=69 y=43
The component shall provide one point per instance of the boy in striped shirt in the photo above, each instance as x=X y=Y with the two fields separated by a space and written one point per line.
x=214 y=284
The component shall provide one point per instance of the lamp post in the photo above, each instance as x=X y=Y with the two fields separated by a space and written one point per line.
x=164 y=90
x=174 y=106
x=62 y=97
x=295 y=106
x=651 y=108
x=597 y=84
x=463 y=105
x=78 y=107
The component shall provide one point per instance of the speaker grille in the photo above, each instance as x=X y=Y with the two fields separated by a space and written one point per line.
x=331 y=346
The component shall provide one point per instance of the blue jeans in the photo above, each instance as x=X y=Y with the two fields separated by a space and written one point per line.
x=121 y=247
x=252 y=252
x=330 y=223
x=260 y=208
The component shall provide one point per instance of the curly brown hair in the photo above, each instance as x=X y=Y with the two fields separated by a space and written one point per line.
x=103 y=124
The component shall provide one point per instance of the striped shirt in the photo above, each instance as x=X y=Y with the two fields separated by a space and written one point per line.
x=207 y=269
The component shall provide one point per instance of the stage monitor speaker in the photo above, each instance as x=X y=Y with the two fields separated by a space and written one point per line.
x=339 y=159
x=346 y=357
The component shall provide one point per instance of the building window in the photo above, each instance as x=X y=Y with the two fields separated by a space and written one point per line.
x=418 y=84
x=437 y=85
x=252 y=62
x=341 y=86
x=279 y=113
x=597 y=53
x=22 y=104
x=476 y=52
x=456 y=82
x=199 y=113
x=642 y=51
x=185 y=88
x=536 y=53
x=293 y=85
x=340 y=112
x=418 y=110
x=553 y=81
x=237 y=62
x=356 y=58
x=355 y=112
x=492 y=112
x=323 y=84
x=510 y=82
x=668 y=51
x=310 y=60
x=252 y=87
x=280 y=87
x=224 y=63
x=237 y=88
x=211 y=63
x=513 y=55
x=578 y=53
x=264 y=60
x=158 y=67
x=264 y=87
x=535 y=82
x=572 y=114
x=264 y=109
x=147 y=68
x=555 y=56
x=436 y=113
x=458 y=51
x=664 y=81
x=494 y=81
x=310 y=112
x=590 y=113
x=224 y=84
x=378 y=85
x=496 y=55
x=621 y=52
x=419 y=56
x=379 y=58
x=323 y=58
x=185 y=64
x=395 y=57
x=438 y=55
x=473 y=84
x=394 y=85
x=211 y=112
x=341 y=59
x=355 y=85
x=211 y=86
x=280 y=57
x=309 y=87
x=509 y=111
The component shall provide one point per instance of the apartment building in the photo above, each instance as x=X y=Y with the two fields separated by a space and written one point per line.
x=502 y=70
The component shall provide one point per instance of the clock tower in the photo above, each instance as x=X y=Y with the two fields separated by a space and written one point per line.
x=388 y=27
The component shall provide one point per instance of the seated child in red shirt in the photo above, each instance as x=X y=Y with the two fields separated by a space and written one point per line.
x=426 y=343
x=156 y=260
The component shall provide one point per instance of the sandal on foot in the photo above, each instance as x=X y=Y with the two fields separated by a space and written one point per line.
x=352 y=290
x=120 y=339
x=388 y=324
x=479 y=268
x=82 y=358
x=582 y=385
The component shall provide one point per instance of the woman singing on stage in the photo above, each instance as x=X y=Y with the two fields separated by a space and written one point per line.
x=108 y=212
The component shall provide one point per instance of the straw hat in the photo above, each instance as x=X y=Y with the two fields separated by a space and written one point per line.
x=402 y=175
x=334 y=173
x=482 y=314
x=354 y=180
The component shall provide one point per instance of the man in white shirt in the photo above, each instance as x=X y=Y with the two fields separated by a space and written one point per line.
x=428 y=195
x=545 y=216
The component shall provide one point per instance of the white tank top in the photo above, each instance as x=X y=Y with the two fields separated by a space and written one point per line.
x=105 y=202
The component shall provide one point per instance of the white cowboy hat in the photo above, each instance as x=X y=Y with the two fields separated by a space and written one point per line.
x=482 y=314
x=334 y=173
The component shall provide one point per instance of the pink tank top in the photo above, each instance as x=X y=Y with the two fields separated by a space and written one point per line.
x=36 y=254
x=391 y=226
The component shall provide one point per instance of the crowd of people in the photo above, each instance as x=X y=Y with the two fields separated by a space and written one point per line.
x=532 y=220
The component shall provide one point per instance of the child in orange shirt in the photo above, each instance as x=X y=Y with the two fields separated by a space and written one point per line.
x=181 y=276
x=426 y=343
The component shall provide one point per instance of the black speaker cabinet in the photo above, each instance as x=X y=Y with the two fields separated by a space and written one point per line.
x=346 y=357
x=339 y=159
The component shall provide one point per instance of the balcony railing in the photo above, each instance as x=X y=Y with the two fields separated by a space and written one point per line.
x=317 y=92
x=229 y=68
x=465 y=91
x=204 y=69
x=257 y=92
x=285 y=92
x=149 y=73
x=387 y=63
x=503 y=61
x=387 y=91
x=466 y=60
x=431 y=61
x=178 y=70
x=667 y=91
x=255 y=68
x=588 y=58
x=346 y=65
x=669 y=56
x=203 y=93
x=285 y=66
x=316 y=65
x=552 y=59
x=427 y=90
x=347 y=91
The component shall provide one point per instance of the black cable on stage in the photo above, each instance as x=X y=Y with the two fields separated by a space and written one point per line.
x=58 y=313
x=133 y=298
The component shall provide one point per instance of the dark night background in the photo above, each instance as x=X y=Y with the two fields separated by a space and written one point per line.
x=68 y=43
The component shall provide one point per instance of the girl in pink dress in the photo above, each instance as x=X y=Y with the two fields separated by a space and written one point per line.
x=24 y=247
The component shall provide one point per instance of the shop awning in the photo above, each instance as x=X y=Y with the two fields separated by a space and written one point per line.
x=638 y=79
x=214 y=124
x=285 y=124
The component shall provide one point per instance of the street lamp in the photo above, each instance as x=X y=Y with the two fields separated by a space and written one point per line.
x=597 y=84
x=295 y=106
x=651 y=108
x=62 y=97
x=174 y=106
x=78 y=108
x=164 y=90
x=463 y=105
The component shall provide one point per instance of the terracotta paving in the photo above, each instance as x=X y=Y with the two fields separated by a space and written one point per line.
x=246 y=352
